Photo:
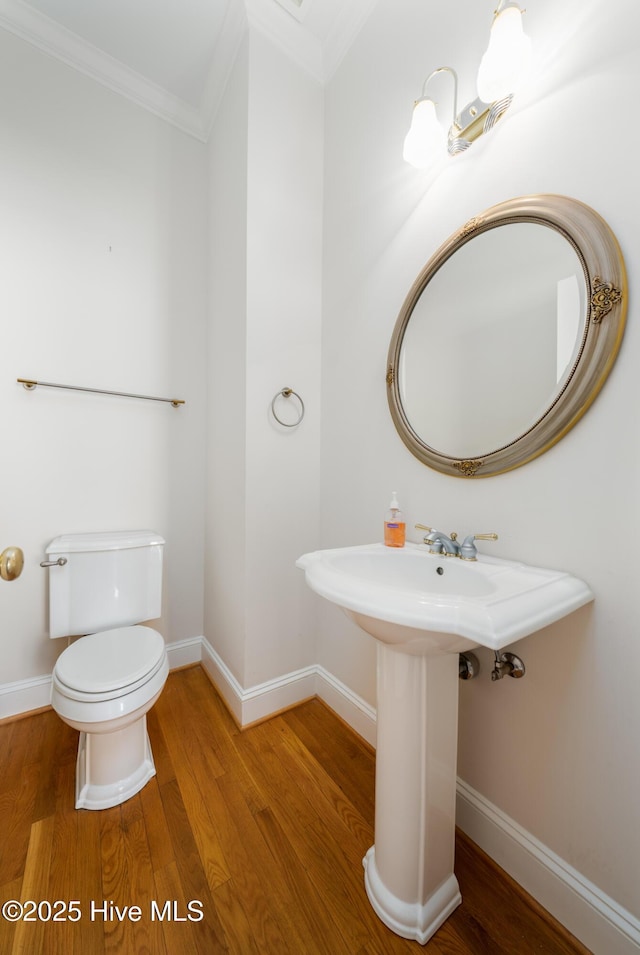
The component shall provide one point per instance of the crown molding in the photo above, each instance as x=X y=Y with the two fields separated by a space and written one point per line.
x=55 y=40
x=297 y=42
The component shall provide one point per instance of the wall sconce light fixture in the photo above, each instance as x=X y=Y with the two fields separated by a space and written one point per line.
x=505 y=61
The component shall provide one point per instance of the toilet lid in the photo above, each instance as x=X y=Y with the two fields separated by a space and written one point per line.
x=111 y=660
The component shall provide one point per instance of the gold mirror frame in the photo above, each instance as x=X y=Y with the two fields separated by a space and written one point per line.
x=606 y=287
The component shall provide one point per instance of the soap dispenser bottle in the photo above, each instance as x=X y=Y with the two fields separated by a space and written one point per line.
x=394 y=525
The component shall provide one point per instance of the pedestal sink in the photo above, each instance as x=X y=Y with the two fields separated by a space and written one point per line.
x=424 y=609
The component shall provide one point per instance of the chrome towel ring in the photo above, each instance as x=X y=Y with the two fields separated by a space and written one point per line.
x=287 y=393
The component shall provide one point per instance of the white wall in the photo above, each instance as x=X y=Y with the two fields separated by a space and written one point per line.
x=284 y=262
x=102 y=243
x=263 y=484
x=225 y=564
x=558 y=751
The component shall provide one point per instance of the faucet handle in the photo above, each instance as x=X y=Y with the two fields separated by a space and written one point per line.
x=468 y=550
x=435 y=545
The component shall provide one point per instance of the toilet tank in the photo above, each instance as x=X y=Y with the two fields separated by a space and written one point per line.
x=108 y=580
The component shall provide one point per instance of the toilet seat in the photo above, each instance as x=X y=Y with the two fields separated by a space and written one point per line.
x=108 y=665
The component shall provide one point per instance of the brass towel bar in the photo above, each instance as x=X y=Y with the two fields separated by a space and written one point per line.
x=30 y=384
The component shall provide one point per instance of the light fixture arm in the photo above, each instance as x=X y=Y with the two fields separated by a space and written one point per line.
x=444 y=69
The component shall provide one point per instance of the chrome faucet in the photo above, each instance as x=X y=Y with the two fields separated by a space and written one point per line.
x=448 y=545
x=442 y=543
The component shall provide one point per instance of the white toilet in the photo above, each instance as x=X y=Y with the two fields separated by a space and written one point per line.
x=101 y=586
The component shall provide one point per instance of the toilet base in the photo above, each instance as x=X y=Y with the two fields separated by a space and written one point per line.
x=113 y=767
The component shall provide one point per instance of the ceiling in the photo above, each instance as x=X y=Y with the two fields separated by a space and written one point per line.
x=174 y=56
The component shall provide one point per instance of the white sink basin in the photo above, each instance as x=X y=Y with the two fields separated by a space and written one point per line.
x=428 y=603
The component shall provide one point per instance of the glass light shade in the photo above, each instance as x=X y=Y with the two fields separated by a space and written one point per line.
x=507 y=57
x=425 y=142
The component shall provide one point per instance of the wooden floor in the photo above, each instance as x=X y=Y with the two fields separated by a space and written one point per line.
x=254 y=838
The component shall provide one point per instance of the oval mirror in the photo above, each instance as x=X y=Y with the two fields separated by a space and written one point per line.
x=507 y=335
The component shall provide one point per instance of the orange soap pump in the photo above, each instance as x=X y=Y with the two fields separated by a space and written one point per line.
x=394 y=526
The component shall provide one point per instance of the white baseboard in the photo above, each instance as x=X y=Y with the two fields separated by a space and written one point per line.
x=184 y=653
x=23 y=696
x=261 y=701
x=593 y=917
x=258 y=702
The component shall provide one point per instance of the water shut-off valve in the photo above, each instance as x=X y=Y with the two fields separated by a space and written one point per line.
x=506 y=664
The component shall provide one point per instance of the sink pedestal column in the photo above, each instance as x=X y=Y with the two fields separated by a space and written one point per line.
x=409 y=871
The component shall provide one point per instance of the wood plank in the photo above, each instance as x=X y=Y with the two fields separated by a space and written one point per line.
x=207 y=935
x=15 y=739
x=350 y=760
x=57 y=746
x=332 y=934
x=260 y=881
x=162 y=761
x=331 y=804
x=158 y=834
x=86 y=884
x=186 y=757
x=227 y=736
x=115 y=886
x=16 y=816
x=29 y=935
x=144 y=933
x=59 y=936
x=196 y=703
x=172 y=906
x=489 y=891
x=238 y=932
x=8 y=892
